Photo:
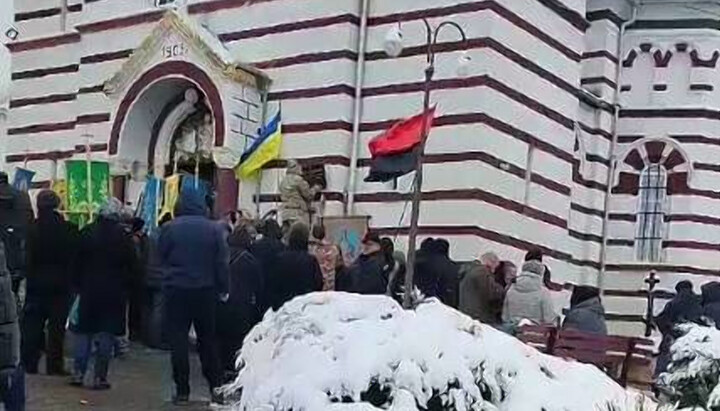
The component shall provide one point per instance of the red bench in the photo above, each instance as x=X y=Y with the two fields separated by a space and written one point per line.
x=628 y=360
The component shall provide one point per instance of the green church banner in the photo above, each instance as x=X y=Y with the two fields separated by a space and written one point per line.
x=83 y=203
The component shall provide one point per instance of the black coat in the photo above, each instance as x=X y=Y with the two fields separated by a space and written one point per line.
x=437 y=276
x=106 y=267
x=52 y=246
x=295 y=273
x=266 y=251
x=711 y=302
x=246 y=305
x=368 y=274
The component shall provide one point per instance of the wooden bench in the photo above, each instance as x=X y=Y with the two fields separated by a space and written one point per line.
x=628 y=360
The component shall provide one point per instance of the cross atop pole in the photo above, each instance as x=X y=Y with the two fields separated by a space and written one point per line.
x=651 y=281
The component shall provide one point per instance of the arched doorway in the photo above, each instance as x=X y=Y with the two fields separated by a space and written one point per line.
x=170 y=120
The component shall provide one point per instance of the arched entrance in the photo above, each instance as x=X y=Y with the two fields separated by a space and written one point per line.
x=170 y=120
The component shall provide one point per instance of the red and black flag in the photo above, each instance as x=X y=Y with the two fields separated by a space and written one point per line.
x=394 y=152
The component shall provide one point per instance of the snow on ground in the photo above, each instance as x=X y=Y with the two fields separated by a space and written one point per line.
x=327 y=347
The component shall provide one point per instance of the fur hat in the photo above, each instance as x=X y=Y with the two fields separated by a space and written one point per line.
x=534 y=267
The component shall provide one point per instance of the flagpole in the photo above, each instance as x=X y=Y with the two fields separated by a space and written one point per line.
x=88 y=160
x=263 y=118
x=432 y=37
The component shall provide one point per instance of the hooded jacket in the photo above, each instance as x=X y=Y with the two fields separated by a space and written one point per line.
x=480 y=297
x=711 y=302
x=528 y=299
x=587 y=314
x=296 y=195
x=192 y=249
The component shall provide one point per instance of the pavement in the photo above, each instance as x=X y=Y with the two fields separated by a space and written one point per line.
x=141 y=380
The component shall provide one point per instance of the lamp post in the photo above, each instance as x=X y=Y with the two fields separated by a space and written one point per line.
x=393 y=48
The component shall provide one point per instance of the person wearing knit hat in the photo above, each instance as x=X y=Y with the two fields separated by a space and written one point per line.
x=528 y=299
x=51 y=250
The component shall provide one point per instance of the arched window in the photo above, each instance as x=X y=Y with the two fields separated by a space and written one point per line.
x=651 y=213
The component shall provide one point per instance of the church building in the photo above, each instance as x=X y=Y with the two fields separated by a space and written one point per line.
x=586 y=128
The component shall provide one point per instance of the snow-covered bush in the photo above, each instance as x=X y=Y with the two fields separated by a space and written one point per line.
x=337 y=351
x=694 y=373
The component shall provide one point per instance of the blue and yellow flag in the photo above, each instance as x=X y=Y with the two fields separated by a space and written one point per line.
x=264 y=149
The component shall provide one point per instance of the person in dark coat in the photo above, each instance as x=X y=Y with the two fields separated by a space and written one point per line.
x=296 y=271
x=154 y=307
x=268 y=245
x=12 y=375
x=369 y=273
x=711 y=302
x=245 y=306
x=139 y=295
x=16 y=215
x=505 y=274
x=106 y=265
x=437 y=274
x=684 y=307
x=194 y=255
x=51 y=249
x=342 y=274
x=481 y=297
x=586 y=313
x=396 y=262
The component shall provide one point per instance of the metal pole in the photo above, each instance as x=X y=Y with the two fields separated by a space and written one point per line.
x=357 y=109
x=432 y=37
x=88 y=160
x=263 y=119
x=611 y=151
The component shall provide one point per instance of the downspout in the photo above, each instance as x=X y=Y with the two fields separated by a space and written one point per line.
x=357 y=110
x=635 y=4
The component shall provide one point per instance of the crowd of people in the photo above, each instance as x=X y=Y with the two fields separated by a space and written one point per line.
x=216 y=279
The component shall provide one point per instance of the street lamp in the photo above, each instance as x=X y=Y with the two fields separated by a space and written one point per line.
x=393 y=47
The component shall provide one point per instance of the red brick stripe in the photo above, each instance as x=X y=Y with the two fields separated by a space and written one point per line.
x=290 y=27
x=37 y=73
x=44 y=42
x=600 y=54
x=54 y=155
x=44 y=13
x=118 y=23
x=52 y=98
x=107 y=56
x=566 y=13
x=67 y=125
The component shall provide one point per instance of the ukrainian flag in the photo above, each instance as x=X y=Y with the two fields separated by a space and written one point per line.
x=264 y=149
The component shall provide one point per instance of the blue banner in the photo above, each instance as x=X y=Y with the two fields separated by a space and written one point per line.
x=23 y=179
x=150 y=203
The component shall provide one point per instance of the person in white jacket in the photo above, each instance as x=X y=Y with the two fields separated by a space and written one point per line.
x=528 y=299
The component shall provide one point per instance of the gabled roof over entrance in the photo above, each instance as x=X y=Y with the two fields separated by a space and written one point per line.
x=197 y=40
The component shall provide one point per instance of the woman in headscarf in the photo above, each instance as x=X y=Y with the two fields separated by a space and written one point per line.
x=105 y=270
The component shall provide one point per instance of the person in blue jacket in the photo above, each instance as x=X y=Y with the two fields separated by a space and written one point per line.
x=194 y=258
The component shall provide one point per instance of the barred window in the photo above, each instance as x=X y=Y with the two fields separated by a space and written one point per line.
x=651 y=213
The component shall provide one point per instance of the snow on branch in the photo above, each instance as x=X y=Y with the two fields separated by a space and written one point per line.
x=345 y=352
